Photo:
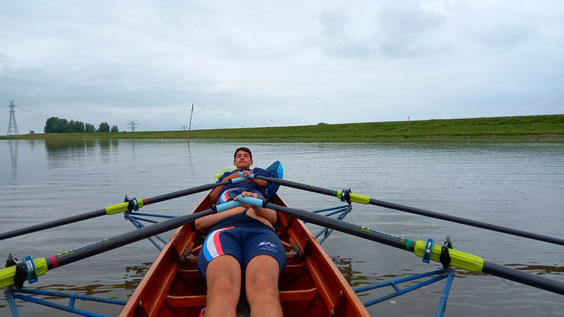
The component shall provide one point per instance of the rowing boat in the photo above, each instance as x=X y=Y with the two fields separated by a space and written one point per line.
x=310 y=284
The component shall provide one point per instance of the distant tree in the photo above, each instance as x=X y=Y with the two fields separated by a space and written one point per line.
x=70 y=126
x=104 y=127
x=56 y=125
x=114 y=128
x=75 y=126
x=89 y=128
x=50 y=125
x=78 y=127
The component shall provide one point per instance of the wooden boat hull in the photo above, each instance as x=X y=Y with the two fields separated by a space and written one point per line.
x=310 y=285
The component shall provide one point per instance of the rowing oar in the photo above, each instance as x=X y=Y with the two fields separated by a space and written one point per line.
x=29 y=269
x=132 y=204
x=344 y=195
x=427 y=250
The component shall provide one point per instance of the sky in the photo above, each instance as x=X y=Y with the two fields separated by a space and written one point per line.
x=277 y=63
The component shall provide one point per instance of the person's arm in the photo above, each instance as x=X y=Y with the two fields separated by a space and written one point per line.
x=214 y=195
x=268 y=214
x=208 y=221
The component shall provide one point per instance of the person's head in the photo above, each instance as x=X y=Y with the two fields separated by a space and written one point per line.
x=243 y=158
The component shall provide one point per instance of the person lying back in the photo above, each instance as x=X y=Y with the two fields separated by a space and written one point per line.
x=241 y=243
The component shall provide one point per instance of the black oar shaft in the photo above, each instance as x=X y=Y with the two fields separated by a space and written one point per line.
x=296 y=185
x=522 y=277
x=468 y=222
x=422 y=212
x=339 y=225
x=182 y=193
x=102 y=212
x=121 y=240
x=401 y=243
x=52 y=224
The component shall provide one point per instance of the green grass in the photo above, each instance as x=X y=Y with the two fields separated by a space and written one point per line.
x=522 y=128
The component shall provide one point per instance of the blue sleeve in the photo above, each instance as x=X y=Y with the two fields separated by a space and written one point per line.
x=260 y=171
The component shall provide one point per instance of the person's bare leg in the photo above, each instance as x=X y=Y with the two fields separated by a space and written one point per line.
x=261 y=285
x=223 y=279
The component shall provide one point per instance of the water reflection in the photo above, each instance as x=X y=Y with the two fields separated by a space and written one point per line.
x=354 y=278
x=61 y=152
x=538 y=269
x=132 y=277
x=13 y=144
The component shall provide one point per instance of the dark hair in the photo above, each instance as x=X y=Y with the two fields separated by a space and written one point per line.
x=244 y=149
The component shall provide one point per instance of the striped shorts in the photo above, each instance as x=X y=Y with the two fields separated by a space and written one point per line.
x=242 y=242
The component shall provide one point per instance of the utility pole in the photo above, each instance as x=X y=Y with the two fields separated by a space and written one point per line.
x=132 y=124
x=12 y=126
x=190 y=125
x=409 y=127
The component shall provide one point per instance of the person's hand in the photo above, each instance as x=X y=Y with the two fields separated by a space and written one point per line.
x=247 y=194
x=247 y=173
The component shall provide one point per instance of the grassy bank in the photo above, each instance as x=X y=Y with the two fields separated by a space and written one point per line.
x=523 y=128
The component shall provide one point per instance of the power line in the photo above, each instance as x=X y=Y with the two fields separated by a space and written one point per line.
x=12 y=126
x=132 y=124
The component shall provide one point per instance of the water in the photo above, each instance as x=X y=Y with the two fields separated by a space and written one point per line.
x=514 y=185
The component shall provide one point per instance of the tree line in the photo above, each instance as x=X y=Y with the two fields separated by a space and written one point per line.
x=58 y=125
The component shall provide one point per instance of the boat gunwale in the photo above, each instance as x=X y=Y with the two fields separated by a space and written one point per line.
x=312 y=263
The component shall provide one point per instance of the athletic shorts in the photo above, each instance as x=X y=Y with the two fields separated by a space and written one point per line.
x=242 y=242
x=230 y=194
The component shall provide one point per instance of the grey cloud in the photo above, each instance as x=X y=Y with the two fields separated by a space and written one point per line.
x=404 y=28
x=382 y=60
x=396 y=29
x=504 y=34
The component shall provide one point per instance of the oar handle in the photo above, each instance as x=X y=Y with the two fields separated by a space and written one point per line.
x=226 y=206
x=251 y=201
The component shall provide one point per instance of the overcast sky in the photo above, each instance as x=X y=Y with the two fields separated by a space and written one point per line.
x=278 y=63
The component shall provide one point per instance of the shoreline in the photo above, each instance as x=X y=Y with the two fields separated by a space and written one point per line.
x=545 y=128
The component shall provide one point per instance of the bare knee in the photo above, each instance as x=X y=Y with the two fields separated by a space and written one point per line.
x=223 y=284
x=263 y=281
x=223 y=279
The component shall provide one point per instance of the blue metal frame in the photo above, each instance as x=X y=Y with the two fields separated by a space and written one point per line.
x=440 y=275
x=341 y=212
x=137 y=221
x=444 y=296
x=12 y=294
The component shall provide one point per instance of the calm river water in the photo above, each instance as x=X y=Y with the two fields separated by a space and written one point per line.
x=514 y=185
